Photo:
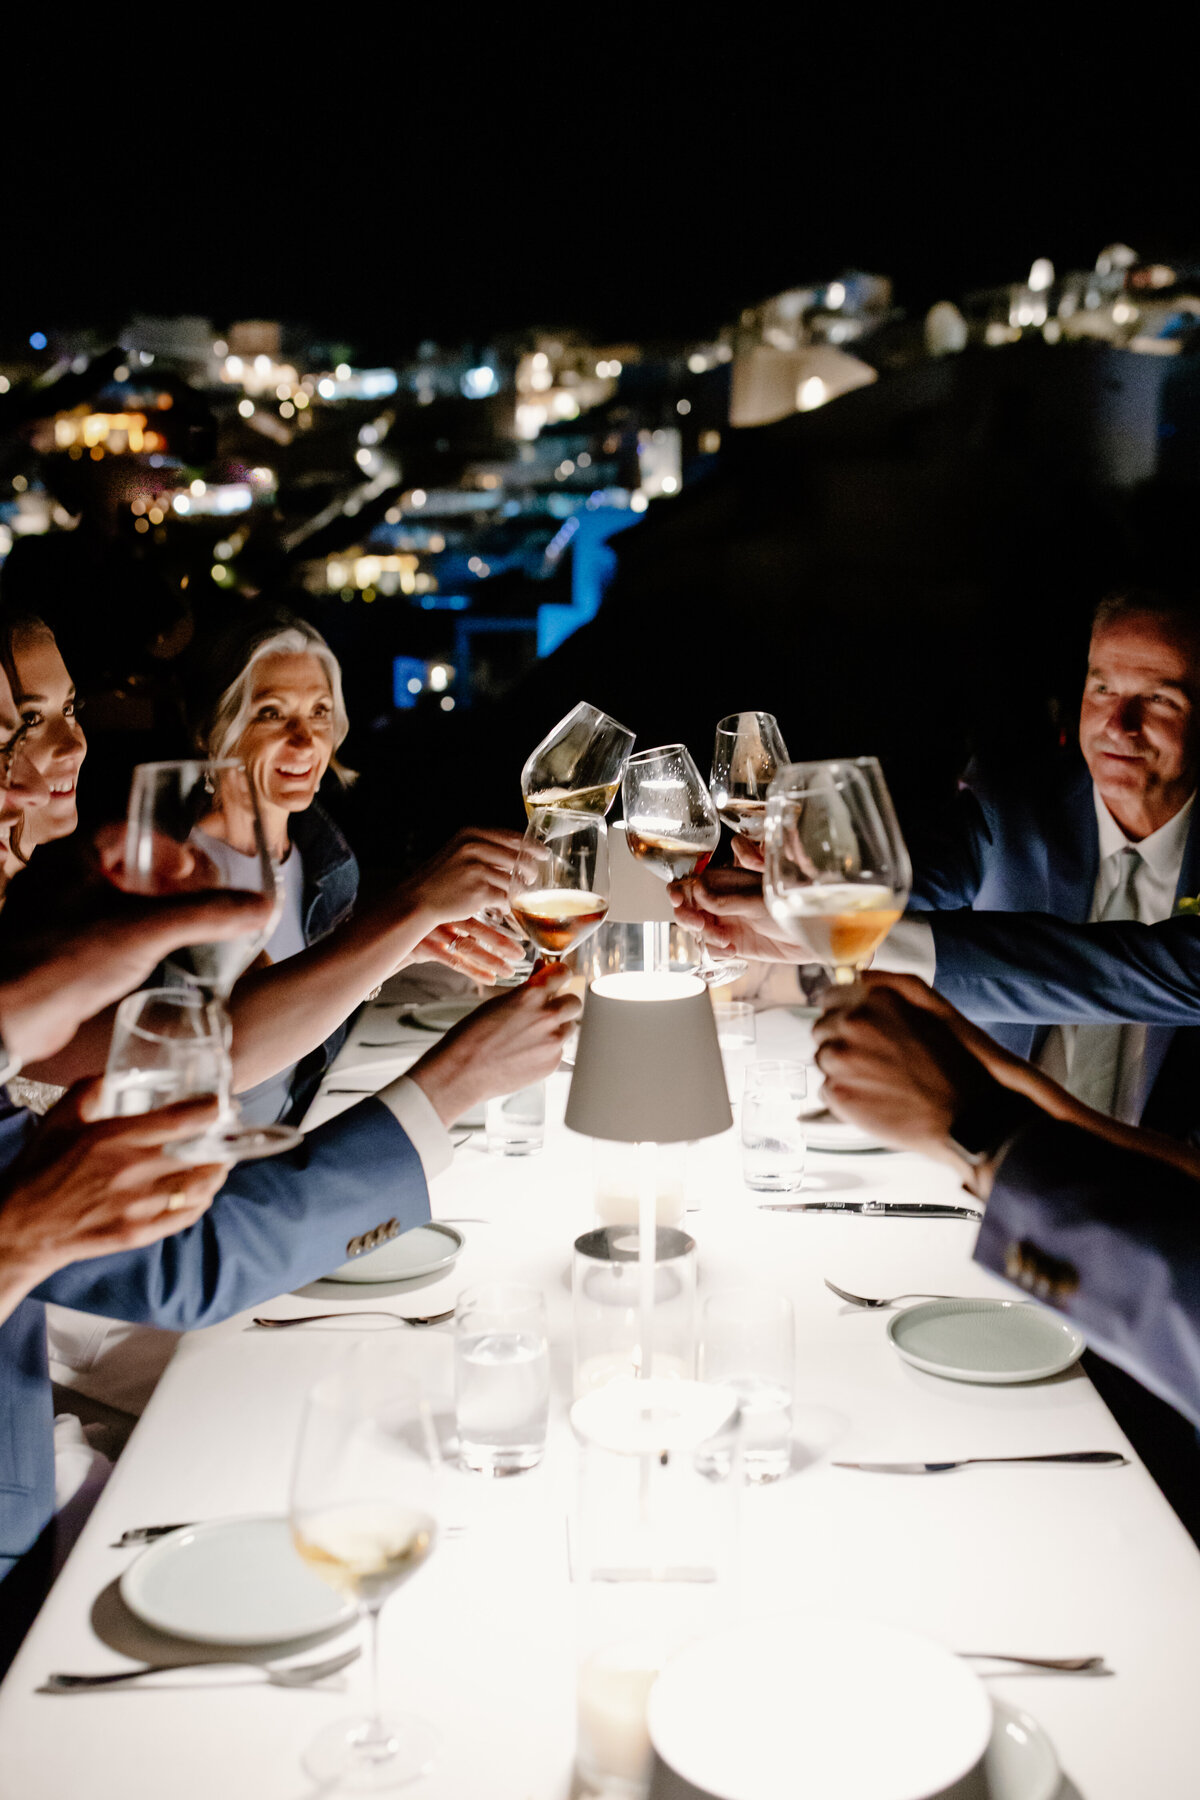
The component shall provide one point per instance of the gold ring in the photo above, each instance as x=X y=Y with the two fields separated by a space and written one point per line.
x=177 y=1199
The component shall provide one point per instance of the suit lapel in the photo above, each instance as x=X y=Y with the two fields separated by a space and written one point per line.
x=1073 y=841
x=1159 y=1037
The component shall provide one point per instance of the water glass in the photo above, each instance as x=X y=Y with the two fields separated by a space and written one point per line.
x=748 y=1344
x=501 y=1378
x=773 y=1141
x=516 y=1123
x=166 y=1046
x=606 y=1306
x=736 y=1033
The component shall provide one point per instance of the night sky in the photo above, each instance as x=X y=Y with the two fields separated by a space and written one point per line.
x=388 y=185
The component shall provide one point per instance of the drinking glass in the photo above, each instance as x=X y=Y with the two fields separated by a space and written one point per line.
x=363 y=1517
x=579 y=764
x=736 y=1035
x=501 y=1378
x=748 y=753
x=558 y=893
x=773 y=1140
x=165 y=1047
x=748 y=1343
x=195 y=827
x=515 y=1124
x=671 y=826
x=836 y=873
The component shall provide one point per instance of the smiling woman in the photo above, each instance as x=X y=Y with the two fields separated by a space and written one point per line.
x=52 y=740
x=281 y=712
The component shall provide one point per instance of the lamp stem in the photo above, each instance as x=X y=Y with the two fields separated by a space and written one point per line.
x=647 y=1154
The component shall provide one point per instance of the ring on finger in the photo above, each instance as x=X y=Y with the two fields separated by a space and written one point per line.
x=176 y=1200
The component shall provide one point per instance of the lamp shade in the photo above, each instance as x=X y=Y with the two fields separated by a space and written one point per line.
x=648 y=1068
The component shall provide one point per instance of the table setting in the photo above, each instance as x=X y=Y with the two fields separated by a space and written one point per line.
x=608 y=1480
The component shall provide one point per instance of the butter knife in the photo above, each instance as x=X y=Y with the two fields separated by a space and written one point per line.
x=147 y=1534
x=937 y=1468
x=874 y=1209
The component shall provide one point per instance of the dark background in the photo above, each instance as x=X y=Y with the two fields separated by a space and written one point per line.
x=397 y=182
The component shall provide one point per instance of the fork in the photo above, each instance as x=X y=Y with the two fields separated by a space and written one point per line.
x=862 y=1300
x=397 y=1318
x=294 y=1676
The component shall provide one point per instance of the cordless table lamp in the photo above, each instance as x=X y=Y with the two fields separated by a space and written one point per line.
x=648 y=1071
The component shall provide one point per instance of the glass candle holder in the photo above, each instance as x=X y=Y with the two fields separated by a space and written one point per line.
x=606 y=1296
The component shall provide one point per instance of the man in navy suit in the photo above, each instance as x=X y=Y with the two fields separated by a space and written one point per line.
x=1046 y=909
x=1058 y=1221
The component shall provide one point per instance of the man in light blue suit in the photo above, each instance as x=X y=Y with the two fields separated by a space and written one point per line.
x=273 y=1226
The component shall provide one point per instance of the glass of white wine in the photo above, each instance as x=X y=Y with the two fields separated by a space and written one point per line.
x=559 y=888
x=748 y=753
x=363 y=1517
x=837 y=873
x=672 y=829
x=579 y=764
x=165 y=1047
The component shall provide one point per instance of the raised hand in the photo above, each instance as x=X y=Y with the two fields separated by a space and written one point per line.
x=470 y=872
x=471 y=947
x=508 y=1043
x=726 y=907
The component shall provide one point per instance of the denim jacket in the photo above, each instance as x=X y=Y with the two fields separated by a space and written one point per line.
x=330 y=890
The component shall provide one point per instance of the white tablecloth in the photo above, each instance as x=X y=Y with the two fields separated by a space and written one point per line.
x=1045 y=1561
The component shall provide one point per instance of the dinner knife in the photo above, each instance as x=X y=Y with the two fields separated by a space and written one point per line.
x=892 y=1209
x=146 y=1534
x=1113 y=1457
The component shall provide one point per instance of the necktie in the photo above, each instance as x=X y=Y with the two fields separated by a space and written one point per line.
x=1096 y=1061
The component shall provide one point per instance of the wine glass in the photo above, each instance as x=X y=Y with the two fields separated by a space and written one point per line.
x=579 y=764
x=364 y=1518
x=748 y=753
x=671 y=827
x=836 y=876
x=559 y=888
x=165 y=1047
x=195 y=827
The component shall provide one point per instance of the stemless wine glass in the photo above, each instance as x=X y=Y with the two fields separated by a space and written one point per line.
x=363 y=1516
x=748 y=753
x=671 y=826
x=165 y=1047
x=559 y=888
x=579 y=764
x=836 y=877
x=194 y=827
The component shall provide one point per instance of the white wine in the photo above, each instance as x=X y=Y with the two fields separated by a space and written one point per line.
x=588 y=799
x=559 y=918
x=365 y=1548
x=844 y=922
x=747 y=816
x=670 y=858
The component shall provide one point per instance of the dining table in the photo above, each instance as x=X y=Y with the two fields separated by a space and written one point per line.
x=1024 y=1559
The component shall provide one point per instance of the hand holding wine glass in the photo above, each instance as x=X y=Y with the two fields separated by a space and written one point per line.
x=748 y=753
x=837 y=872
x=558 y=893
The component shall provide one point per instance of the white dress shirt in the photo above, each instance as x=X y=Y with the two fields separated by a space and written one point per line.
x=910 y=945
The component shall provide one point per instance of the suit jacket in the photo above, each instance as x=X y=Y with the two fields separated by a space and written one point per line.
x=1060 y=1223
x=275 y=1225
x=1007 y=887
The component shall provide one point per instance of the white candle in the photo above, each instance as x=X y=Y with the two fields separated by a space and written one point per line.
x=614 y=1684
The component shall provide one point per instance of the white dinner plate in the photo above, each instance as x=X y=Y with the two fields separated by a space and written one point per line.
x=985 y=1340
x=422 y=1251
x=1020 y=1762
x=233 y=1581
x=818 y=1705
x=440 y=1015
x=835 y=1136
